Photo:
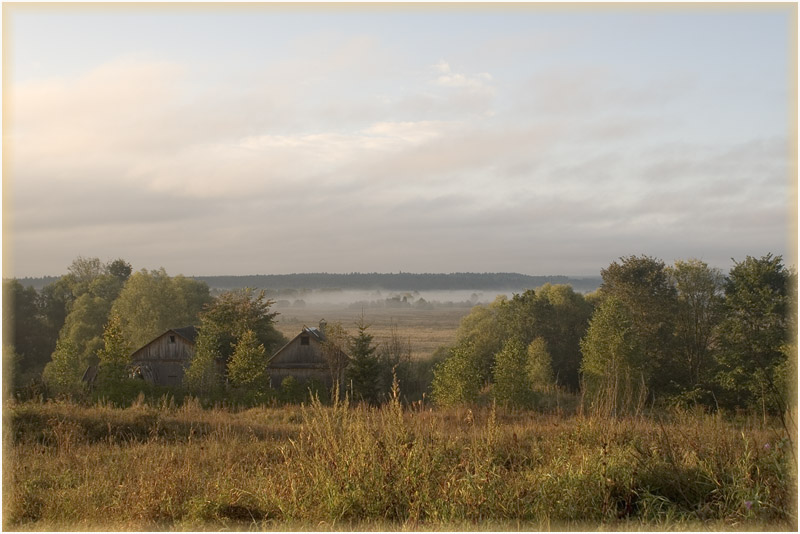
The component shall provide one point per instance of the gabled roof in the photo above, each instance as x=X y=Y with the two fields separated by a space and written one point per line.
x=315 y=332
x=189 y=333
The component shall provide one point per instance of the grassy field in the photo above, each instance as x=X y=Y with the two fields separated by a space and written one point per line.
x=427 y=330
x=72 y=467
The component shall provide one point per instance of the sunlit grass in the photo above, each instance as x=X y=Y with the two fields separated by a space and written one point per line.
x=348 y=467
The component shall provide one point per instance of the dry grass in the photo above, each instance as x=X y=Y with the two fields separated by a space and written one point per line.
x=426 y=329
x=354 y=468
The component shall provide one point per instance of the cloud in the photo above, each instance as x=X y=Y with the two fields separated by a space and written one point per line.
x=334 y=151
x=448 y=78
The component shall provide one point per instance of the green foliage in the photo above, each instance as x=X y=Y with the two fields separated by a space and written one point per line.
x=512 y=386
x=292 y=391
x=223 y=325
x=539 y=369
x=115 y=354
x=699 y=311
x=247 y=367
x=113 y=380
x=642 y=285
x=92 y=288
x=457 y=379
x=613 y=364
x=554 y=313
x=62 y=375
x=84 y=324
x=483 y=330
x=565 y=324
x=25 y=335
x=754 y=333
x=54 y=302
x=235 y=312
x=363 y=370
x=151 y=302
x=203 y=376
x=119 y=269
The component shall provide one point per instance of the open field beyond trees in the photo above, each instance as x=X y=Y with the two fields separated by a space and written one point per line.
x=77 y=467
x=426 y=330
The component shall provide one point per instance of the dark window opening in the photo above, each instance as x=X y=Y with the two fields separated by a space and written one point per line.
x=172 y=339
x=304 y=340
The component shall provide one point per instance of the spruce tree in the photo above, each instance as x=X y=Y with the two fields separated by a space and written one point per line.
x=363 y=371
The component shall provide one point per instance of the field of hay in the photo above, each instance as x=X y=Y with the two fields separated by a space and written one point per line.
x=426 y=330
x=168 y=467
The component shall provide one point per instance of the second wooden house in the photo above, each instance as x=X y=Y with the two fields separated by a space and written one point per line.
x=302 y=358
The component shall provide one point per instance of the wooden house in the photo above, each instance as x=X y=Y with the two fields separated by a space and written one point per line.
x=302 y=358
x=164 y=360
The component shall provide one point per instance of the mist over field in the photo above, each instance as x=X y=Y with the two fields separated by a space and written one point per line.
x=384 y=298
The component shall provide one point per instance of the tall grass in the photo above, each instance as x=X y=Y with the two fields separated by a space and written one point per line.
x=359 y=467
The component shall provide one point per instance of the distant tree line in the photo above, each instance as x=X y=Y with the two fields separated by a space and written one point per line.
x=397 y=281
x=651 y=335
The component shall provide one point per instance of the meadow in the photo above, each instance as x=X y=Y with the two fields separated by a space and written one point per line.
x=425 y=329
x=343 y=467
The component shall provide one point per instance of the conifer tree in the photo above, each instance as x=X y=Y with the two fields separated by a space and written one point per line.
x=363 y=370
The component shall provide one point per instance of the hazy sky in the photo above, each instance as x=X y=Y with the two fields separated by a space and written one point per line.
x=269 y=139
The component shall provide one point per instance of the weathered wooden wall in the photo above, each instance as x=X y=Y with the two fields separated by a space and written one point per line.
x=304 y=362
x=166 y=359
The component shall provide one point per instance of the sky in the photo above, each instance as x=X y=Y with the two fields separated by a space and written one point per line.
x=267 y=139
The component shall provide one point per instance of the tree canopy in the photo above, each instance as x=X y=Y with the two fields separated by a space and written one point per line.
x=152 y=302
x=231 y=317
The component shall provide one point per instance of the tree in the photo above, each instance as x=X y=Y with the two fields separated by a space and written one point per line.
x=203 y=376
x=699 y=311
x=754 y=333
x=613 y=364
x=83 y=326
x=113 y=368
x=247 y=367
x=526 y=316
x=565 y=323
x=24 y=334
x=642 y=285
x=222 y=325
x=394 y=357
x=457 y=380
x=334 y=350
x=363 y=369
x=114 y=357
x=554 y=313
x=63 y=373
x=152 y=302
x=483 y=331
x=539 y=368
x=512 y=386
x=55 y=300
x=120 y=269
x=84 y=271
x=93 y=290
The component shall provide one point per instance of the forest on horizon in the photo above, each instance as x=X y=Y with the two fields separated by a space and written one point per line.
x=401 y=281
